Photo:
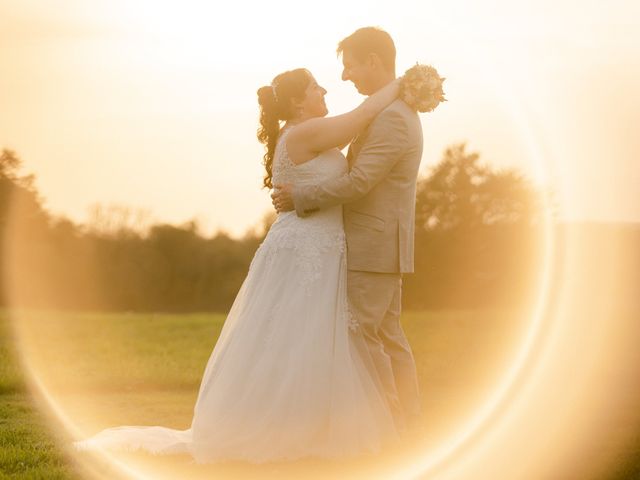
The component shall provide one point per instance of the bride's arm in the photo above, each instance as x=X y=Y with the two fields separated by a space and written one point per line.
x=387 y=142
x=322 y=133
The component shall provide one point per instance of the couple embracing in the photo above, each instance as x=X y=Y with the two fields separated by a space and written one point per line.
x=312 y=360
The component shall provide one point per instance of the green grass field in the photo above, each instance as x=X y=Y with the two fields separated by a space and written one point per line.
x=145 y=369
x=28 y=447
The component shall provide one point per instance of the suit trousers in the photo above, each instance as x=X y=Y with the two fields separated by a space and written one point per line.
x=375 y=303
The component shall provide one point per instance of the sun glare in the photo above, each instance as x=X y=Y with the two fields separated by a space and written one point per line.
x=153 y=105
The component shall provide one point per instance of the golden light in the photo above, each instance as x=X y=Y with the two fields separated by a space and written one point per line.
x=182 y=77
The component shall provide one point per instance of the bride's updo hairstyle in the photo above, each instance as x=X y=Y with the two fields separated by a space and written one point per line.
x=276 y=105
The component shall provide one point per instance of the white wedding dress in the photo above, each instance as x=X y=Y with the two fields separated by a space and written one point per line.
x=285 y=379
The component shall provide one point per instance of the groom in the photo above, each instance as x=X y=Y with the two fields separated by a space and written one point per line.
x=378 y=197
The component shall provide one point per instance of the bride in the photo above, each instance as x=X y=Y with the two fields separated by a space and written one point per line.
x=286 y=379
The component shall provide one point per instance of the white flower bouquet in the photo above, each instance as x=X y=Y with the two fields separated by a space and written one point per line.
x=421 y=88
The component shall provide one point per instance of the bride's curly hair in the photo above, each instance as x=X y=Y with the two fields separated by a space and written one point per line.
x=276 y=105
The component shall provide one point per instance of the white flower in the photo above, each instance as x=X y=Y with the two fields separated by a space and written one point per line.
x=421 y=88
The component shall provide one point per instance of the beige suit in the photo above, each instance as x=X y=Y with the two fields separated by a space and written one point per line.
x=378 y=197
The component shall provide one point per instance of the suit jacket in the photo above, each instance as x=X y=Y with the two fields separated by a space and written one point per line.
x=378 y=192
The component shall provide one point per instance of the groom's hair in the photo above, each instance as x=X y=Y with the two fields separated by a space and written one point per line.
x=368 y=40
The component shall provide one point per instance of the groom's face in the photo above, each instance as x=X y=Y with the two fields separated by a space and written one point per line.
x=357 y=71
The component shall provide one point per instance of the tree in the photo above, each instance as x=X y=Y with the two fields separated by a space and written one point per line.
x=118 y=220
x=461 y=192
x=24 y=224
x=477 y=236
x=16 y=189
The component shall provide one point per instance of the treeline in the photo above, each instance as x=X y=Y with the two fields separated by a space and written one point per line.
x=478 y=234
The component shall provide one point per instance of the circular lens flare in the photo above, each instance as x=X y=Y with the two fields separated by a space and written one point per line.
x=449 y=454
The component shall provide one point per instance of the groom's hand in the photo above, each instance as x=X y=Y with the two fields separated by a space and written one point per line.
x=282 y=199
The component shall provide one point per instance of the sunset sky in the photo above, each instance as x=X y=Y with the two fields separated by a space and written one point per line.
x=153 y=104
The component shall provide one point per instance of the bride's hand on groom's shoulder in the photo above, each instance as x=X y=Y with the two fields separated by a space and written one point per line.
x=282 y=199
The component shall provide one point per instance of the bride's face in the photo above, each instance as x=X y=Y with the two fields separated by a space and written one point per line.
x=313 y=104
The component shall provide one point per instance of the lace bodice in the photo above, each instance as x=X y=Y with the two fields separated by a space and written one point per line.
x=328 y=164
x=308 y=238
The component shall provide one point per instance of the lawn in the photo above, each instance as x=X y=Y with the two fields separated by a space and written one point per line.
x=28 y=447
x=106 y=369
